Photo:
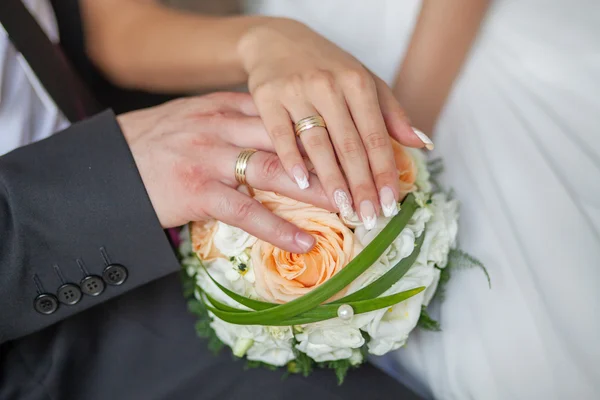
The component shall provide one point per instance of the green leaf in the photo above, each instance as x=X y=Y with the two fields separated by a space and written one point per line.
x=303 y=364
x=320 y=313
x=203 y=328
x=388 y=279
x=252 y=364
x=460 y=259
x=426 y=322
x=197 y=307
x=339 y=281
x=340 y=367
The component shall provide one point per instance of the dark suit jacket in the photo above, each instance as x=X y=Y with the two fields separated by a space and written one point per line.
x=75 y=219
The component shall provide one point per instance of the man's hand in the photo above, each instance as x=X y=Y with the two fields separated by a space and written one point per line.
x=186 y=151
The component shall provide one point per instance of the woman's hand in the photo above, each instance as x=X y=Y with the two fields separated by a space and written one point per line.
x=294 y=73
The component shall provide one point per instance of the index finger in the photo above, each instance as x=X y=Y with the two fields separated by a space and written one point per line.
x=237 y=209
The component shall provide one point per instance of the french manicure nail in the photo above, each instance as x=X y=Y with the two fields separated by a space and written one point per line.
x=367 y=213
x=304 y=241
x=424 y=138
x=388 y=202
x=300 y=177
x=343 y=203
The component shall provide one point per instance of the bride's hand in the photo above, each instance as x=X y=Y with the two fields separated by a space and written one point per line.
x=294 y=73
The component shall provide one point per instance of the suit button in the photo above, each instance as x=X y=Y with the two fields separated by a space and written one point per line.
x=69 y=294
x=92 y=285
x=45 y=303
x=114 y=274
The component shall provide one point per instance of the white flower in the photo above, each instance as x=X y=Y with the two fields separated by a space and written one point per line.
x=441 y=230
x=241 y=268
x=390 y=327
x=400 y=248
x=329 y=340
x=271 y=345
x=419 y=219
x=430 y=291
x=356 y=358
x=232 y=241
x=422 y=179
x=218 y=269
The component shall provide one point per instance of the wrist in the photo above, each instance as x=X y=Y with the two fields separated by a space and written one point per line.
x=263 y=33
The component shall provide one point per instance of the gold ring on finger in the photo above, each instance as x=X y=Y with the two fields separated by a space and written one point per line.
x=308 y=123
x=241 y=164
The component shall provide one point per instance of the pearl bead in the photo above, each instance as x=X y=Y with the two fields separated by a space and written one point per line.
x=345 y=312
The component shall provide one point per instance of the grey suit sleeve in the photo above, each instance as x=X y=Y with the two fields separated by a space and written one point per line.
x=74 y=206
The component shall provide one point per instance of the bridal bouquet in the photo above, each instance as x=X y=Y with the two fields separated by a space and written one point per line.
x=357 y=292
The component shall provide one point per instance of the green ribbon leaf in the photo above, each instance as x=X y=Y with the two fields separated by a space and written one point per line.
x=385 y=281
x=274 y=315
x=371 y=291
x=321 y=313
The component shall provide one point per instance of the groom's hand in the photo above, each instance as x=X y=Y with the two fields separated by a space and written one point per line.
x=186 y=151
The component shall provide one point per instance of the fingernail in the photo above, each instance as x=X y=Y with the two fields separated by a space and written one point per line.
x=388 y=202
x=367 y=213
x=305 y=241
x=343 y=203
x=424 y=138
x=300 y=177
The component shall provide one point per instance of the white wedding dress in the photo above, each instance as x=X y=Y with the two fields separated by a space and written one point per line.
x=520 y=136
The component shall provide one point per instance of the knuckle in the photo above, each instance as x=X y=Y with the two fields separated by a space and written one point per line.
x=241 y=210
x=293 y=86
x=323 y=80
x=271 y=168
x=376 y=141
x=280 y=132
x=262 y=92
x=351 y=149
x=357 y=78
x=281 y=230
x=192 y=176
x=388 y=177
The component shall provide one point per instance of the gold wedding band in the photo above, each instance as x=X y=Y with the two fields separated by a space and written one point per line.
x=308 y=123
x=241 y=164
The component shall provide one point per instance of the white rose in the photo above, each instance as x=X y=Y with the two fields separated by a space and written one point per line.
x=419 y=219
x=431 y=289
x=226 y=332
x=329 y=341
x=441 y=231
x=390 y=327
x=423 y=175
x=400 y=248
x=232 y=241
x=271 y=345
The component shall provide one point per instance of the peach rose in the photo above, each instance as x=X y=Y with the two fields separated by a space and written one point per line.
x=407 y=169
x=282 y=276
x=202 y=234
